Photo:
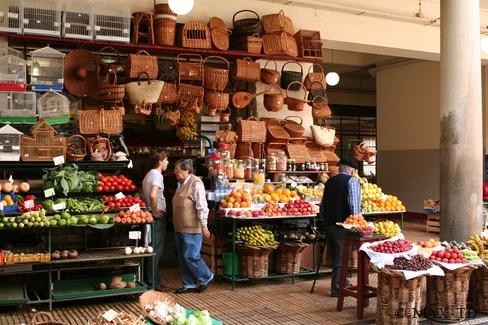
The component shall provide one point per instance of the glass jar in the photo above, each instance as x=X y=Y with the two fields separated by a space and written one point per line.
x=272 y=161
x=282 y=162
x=248 y=169
x=239 y=169
x=228 y=168
x=258 y=177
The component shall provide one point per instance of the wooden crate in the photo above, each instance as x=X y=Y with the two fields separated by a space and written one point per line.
x=212 y=251
x=433 y=223
x=309 y=44
x=215 y=263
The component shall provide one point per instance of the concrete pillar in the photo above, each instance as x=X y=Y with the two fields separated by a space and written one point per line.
x=461 y=142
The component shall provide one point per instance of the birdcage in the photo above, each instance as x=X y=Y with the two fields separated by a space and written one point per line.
x=53 y=105
x=11 y=16
x=42 y=17
x=17 y=107
x=112 y=22
x=12 y=70
x=78 y=20
x=9 y=143
x=47 y=69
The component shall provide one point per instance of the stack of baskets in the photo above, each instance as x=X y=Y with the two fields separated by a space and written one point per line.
x=246 y=35
x=288 y=258
x=164 y=25
x=279 y=35
x=215 y=81
x=254 y=260
x=396 y=293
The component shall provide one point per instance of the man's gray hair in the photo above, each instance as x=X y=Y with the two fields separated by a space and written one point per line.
x=345 y=168
x=185 y=164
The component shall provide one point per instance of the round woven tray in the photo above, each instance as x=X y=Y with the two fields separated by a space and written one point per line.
x=45 y=318
x=149 y=297
x=447 y=295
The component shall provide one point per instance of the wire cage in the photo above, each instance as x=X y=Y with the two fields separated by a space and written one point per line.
x=42 y=17
x=47 y=69
x=112 y=22
x=78 y=20
x=53 y=104
x=9 y=143
x=13 y=70
x=17 y=107
x=11 y=16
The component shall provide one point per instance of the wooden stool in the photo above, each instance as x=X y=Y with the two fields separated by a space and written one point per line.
x=143 y=28
x=362 y=291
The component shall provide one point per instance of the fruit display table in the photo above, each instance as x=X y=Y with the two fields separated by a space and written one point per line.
x=221 y=221
x=385 y=214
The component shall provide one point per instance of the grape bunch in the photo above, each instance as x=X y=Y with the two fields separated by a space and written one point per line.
x=416 y=263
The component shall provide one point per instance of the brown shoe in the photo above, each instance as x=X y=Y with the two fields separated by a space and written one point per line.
x=162 y=288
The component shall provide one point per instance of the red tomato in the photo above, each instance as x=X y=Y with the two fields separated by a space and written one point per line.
x=106 y=188
x=117 y=204
x=112 y=204
x=112 y=188
x=102 y=178
x=119 y=188
x=133 y=187
x=99 y=188
x=447 y=255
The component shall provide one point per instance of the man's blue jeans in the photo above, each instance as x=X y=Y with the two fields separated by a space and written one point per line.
x=193 y=268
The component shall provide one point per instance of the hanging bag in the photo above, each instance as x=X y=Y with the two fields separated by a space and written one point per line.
x=141 y=62
x=246 y=26
x=320 y=108
x=289 y=76
x=216 y=78
x=169 y=92
x=110 y=91
x=252 y=130
x=173 y=117
x=248 y=70
x=296 y=104
x=316 y=90
x=270 y=76
x=315 y=77
x=323 y=135
x=110 y=62
x=190 y=70
x=146 y=91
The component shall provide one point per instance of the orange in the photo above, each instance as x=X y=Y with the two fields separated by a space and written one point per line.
x=237 y=205
x=229 y=206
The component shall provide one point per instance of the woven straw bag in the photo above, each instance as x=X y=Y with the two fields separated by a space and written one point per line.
x=289 y=76
x=141 y=62
x=215 y=78
x=316 y=90
x=169 y=93
x=252 y=130
x=110 y=91
x=248 y=70
x=246 y=26
x=315 y=77
x=270 y=76
x=190 y=97
x=323 y=135
x=190 y=70
x=101 y=122
x=147 y=91
x=173 y=117
x=277 y=23
x=296 y=104
x=320 y=108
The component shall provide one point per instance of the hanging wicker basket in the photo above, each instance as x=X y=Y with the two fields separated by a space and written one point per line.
x=273 y=102
x=296 y=104
x=270 y=76
x=246 y=26
x=110 y=91
x=289 y=76
x=216 y=78
x=294 y=128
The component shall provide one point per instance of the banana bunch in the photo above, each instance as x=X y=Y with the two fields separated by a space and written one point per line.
x=478 y=244
x=186 y=133
x=188 y=119
x=187 y=127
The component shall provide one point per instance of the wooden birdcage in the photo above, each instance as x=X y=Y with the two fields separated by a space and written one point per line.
x=47 y=69
x=9 y=143
x=112 y=22
x=78 y=19
x=11 y=16
x=13 y=70
x=53 y=104
x=44 y=144
x=42 y=17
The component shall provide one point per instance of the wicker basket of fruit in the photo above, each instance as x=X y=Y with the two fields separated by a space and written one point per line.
x=288 y=258
x=255 y=260
x=478 y=286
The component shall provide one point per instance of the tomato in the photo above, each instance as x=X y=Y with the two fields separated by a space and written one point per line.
x=133 y=187
x=102 y=178
x=106 y=188
x=112 y=188
x=99 y=188
x=117 y=204
x=119 y=188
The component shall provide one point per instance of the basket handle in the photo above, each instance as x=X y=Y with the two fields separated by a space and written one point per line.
x=114 y=75
x=41 y=314
x=301 y=120
x=296 y=140
x=270 y=87
x=292 y=61
x=234 y=17
x=109 y=48
x=143 y=52
x=324 y=98
x=217 y=57
x=141 y=74
x=317 y=83
x=187 y=56
x=315 y=65
x=276 y=66
x=252 y=118
x=276 y=145
x=301 y=86
x=256 y=35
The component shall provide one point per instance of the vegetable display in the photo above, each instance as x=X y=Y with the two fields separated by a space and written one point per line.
x=68 y=178
x=416 y=263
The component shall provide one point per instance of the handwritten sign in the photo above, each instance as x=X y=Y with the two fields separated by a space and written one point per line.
x=59 y=206
x=135 y=207
x=119 y=196
x=29 y=204
x=49 y=192
x=134 y=235
x=59 y=160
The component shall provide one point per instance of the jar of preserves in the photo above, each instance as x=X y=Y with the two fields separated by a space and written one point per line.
x=239 y=169
x=258 y=177
x=272 y=160
x=282 y=162
x=228 y=168
x=248 y=169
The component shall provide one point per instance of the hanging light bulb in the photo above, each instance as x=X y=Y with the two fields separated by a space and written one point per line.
x=332 y=78
x=484 y=44
x=181 y=7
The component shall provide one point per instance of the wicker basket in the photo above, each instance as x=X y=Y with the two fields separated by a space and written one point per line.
x=315 y=77
x=75 y=148
x=100 y=149
x=316 y=152
x=449 y=294
x=216 y=78
x=296 y=104
x=252 y=130
x=142 y=62
x=276 y=148
x=252 y=44
x=478 y=286
x=45 y=318
x=165 y=29
x=220 y=38
x=190 y=70
x=278 y=44
x=248 y=70
x=169 y=93
x=163 y=8
x=289 y=76
x=246 y=26
x=277 y=23
x=101 y=122
x=270 y=76
x=296 y=149
x=395 y=293
x=27 y=258
x=110 y=91
x=225 y=115
x=273 y=102
x=293 y=128
x=254 y=260
x=216 y=101
x=190 y=97
x=288 y=257
x=276 y=133
x=150 y=297
x=196 y=34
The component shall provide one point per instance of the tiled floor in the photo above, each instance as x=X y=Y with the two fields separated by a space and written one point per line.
x=256 y=302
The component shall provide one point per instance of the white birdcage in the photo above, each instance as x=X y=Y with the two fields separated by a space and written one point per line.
x=112 y=22
x=17 y=107
x=78 y=20
x=13 y=70
x=47 y=69
x=10 y=139
x=52 y=104
x=11 y=16
x=42 y=17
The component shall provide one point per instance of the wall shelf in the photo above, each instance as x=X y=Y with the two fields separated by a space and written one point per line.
x=83 y=165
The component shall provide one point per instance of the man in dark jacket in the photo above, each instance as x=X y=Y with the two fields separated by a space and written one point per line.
x=342 y=197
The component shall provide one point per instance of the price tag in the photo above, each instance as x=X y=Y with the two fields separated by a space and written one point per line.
x=134 y=235
x=59 y=160
x=59 y=206
x=293 y=184
x=130 y=165
x=11 y=179
x=1 y=206
x=119 y=196
x=29 y=204
x=49 y=192
x=135 y=207
x=110 y=315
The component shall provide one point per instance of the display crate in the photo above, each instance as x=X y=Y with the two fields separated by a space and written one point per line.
x=42 y=17
x=112 y=22
x=13 y=70
x=78 y=20
x=47 y=69
x=309 y=44
x=11 y=16
x=17 y=107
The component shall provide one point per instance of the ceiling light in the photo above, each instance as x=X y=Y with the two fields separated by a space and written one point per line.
x=181 y=7
x=332 y=78
x=484 y=44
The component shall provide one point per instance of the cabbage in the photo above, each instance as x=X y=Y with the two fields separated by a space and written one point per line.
x=203 y=317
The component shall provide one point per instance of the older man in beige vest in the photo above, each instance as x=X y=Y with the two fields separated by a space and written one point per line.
x=190 y=213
